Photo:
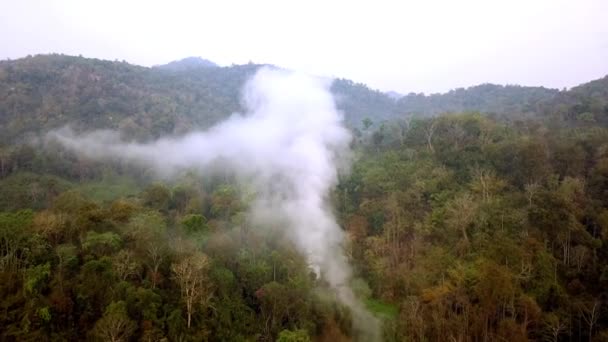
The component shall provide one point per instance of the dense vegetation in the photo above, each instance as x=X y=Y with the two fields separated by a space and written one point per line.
x=48 y=91
x=461 y=227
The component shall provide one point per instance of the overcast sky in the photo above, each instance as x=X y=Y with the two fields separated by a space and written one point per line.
x=415 y=45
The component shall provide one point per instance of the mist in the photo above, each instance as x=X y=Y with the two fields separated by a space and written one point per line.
x=290 y=144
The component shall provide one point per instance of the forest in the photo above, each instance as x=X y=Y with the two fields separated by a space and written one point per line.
x=476 y=215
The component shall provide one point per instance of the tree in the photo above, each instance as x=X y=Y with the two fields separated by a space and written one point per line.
x=13 y=239
x=125 y=265
x=486 y=183
x=67 y=259
x=225 y=202
x=36 y=278
x=157 y=196
x=397 y=130
x=378 y=137
x=367 y=123
x=554 y=326
x=590 y=312
x=532 y=189
x=101 y=243
x=5 y=156
x=194 y=224
x=115 y=325
x=460 y=214
x=50 y=225
x=148 y=232
x=429 y=130
x=191 y=275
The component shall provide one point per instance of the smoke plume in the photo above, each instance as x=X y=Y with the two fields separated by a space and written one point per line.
x=289 y=144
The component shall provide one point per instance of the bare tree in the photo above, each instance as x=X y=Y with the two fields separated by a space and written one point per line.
x=413 y=318
x=155 y=254
x=190 y=273
x=580 y=254
x=590 y=312
x=486 y=183
x=531 y=190
x=115 y=325
x=554 y=326
x=461 y=213
x=429 y=130
x=400 y=127
x=125 y=265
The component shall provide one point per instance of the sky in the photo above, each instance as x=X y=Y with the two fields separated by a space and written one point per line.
x=406 y=46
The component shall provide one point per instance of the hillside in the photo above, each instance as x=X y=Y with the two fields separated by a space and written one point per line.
x=487 y=224
x=44 y=92
x=188 y=63
x=485 y=98
x=48 y=91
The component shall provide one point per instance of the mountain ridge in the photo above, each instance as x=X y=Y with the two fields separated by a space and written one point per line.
x=48 y=91
x=187 y=63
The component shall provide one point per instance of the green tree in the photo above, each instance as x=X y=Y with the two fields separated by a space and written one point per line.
x=157 y=196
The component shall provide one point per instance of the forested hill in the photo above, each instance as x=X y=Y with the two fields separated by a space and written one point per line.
x=47 y=91
x=468 y=227
x=485 y=98
x=188 y=63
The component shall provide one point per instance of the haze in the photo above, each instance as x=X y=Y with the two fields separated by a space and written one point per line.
x=406 y=46
x=288 y=147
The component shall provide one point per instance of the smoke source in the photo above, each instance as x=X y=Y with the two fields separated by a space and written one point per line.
x=289 y=144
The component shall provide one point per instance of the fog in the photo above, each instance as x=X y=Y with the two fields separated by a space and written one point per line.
x=406 y=46
x=290 y=144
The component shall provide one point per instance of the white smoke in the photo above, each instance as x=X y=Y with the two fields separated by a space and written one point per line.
x=289 y=145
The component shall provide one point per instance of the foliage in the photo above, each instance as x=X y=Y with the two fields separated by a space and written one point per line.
x=462 y=227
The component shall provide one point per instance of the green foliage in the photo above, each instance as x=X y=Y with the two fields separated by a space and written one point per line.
x=225 y=201
x=101 y=243
x=144 y=304
x=14 y=241
x=367 y=123
x=381 y=309
x=28 y=190
x=488 y=98
x=115 y=325
x=467 y=227
x=148 y=223
x=45 y=314
x=109 y=189
x=293 y=336
x=194 y=224
x=157 y=196
x=13 y=222
x=36 y=277
x=67 y=256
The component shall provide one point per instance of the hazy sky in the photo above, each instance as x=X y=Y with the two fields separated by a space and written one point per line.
x=415 y=45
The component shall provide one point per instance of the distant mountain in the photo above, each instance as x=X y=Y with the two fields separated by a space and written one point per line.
x=587 y=102
x=358 y=102
x=485 y=98
x=394 y=95
x=48 y=91
x=43 y=92
x=188 y=63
